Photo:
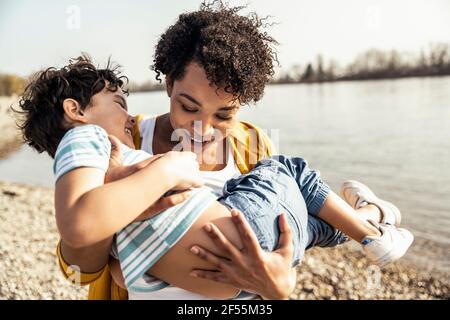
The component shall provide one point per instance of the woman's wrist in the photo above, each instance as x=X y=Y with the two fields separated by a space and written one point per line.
x=282 y=286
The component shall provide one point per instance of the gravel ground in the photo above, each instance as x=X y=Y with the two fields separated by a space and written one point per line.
x=28 y=238
x=29 y=270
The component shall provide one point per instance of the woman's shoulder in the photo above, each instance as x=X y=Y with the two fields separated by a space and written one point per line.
x=250 y=134
x=143 y=126
x=250 y=144
x=144 y=121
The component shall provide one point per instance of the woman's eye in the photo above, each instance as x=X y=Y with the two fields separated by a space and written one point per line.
x=226 y=118
x=187 y=109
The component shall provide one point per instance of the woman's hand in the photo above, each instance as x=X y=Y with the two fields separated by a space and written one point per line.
x=268 y=274
x=117 y=171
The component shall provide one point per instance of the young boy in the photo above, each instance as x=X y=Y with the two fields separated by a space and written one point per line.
x=73 y=124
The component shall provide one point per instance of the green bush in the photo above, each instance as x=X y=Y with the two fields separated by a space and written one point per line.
x=11 y=84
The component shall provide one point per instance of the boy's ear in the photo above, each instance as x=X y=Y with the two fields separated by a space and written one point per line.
x=169 y=86
x=72 y=111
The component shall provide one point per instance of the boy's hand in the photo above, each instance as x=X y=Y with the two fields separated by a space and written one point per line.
x=116 y=157
x=117 y=171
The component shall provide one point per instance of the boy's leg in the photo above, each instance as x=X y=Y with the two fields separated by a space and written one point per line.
x=323 y=203
x=369 y=212
x=283 y=183
x=340 y=215
x=321 y=234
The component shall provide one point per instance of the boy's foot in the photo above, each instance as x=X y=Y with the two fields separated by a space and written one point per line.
x=390 y=246
x=358 y=195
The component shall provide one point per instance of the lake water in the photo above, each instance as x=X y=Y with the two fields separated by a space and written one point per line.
x=393 y=135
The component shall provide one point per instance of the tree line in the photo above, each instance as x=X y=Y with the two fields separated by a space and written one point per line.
x=374 y=64
x=371 y=64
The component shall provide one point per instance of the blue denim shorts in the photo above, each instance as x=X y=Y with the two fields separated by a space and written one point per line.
x=283 y=184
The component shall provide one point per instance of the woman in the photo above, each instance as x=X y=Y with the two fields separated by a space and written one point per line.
x=214 y=62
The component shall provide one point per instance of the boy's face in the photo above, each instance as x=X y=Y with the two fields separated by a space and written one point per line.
x=109 y=110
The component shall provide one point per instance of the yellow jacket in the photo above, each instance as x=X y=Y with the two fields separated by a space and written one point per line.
x=249 y=145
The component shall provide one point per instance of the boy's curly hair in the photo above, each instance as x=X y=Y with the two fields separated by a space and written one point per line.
x=41 y=104
x=234 y=52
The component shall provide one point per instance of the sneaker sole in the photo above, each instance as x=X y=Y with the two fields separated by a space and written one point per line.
x=395 y=253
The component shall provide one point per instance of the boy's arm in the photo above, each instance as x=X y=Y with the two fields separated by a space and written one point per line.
x=92 y=259
x=87 y=260
x=88 y=211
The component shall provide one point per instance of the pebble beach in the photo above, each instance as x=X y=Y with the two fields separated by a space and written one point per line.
x=29 y=269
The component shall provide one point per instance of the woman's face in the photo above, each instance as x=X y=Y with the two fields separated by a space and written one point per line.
x=199 y=112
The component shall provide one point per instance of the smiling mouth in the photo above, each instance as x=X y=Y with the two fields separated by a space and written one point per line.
x=203 y=142
x=129 y=131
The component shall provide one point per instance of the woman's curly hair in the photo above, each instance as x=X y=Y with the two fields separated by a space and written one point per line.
x=41 y=104
x=235 y=54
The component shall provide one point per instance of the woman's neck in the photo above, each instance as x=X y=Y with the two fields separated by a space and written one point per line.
x=162 y=143
x=163 y=134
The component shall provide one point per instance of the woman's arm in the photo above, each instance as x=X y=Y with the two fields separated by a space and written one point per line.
x=88 y=211
x=268 y=274
x=237 y=263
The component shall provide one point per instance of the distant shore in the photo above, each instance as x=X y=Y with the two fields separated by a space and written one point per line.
x=159 y=87
x=29 y=269
x=10 y=139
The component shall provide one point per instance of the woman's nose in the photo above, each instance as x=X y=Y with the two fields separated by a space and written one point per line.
x=203 y=129
x=208 y=130
x=133 y=120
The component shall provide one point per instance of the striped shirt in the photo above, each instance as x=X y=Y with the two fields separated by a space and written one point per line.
x=89 y=146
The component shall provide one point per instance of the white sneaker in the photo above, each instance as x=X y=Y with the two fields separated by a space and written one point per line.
x=357 y=195
x=390 y=246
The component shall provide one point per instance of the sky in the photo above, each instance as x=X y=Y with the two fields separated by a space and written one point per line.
x=38 y=34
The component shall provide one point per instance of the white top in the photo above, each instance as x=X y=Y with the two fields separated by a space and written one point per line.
x=213 y=179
